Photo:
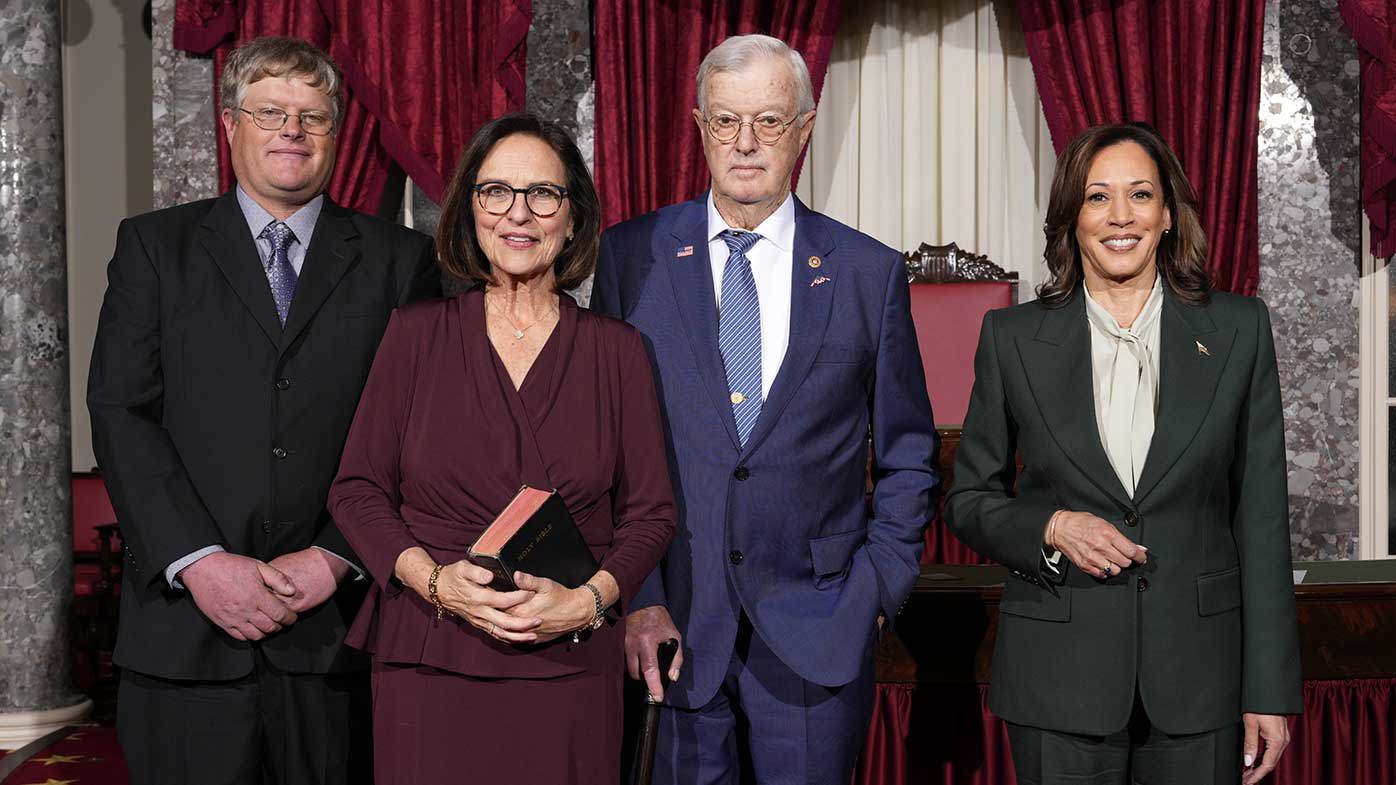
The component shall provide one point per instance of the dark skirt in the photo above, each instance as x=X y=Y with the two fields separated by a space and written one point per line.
x=434 y=726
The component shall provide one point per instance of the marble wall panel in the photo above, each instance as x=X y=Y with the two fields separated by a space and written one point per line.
x=185 y=145
x=1310 y=235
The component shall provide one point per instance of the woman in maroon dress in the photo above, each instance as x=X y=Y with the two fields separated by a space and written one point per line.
x=507 y=384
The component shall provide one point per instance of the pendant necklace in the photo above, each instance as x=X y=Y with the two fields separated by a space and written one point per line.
x=514 y=328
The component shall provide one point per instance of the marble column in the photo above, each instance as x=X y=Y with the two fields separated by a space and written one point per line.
x=36 y=561
x=183 y=117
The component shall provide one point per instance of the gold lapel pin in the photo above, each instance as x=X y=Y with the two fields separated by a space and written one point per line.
x=737 y=398
x=1202 y=348
x=815 y=261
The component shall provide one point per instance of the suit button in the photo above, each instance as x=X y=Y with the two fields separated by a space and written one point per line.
x=1131 y=518
x=283 y=383
x=279 y=452
x=266 y=526
x=1143 y=585
x=735 y=557
x=741 y=473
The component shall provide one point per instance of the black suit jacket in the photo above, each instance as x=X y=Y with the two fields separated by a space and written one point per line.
x=214 y=425
x=1206 y=629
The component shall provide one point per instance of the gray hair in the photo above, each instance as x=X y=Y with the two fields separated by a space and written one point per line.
x=278 y=56
x=740 y=51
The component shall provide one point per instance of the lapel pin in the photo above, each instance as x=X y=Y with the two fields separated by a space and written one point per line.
x=815 y=261
x=817 y=281
x=1202 y=348
x=687 y=250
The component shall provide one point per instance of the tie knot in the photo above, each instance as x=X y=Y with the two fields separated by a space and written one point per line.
x=280 y=236
x=739 y=242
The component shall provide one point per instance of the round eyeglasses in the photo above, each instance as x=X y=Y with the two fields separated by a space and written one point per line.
x=768 y=128
x=543 y=199
x=270 y=119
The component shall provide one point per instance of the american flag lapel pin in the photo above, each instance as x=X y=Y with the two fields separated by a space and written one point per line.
x=1202 y=348
x=817 y=281
x=687 y=250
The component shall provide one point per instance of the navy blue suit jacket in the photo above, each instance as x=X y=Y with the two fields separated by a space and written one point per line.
x=781 y=529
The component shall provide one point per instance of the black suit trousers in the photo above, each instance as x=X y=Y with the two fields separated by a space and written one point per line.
x=267 y=728
x=1138 y=754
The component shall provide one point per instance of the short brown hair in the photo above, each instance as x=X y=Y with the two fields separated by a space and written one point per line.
x=279 y=56
x=459 y=249
x=1182 y=252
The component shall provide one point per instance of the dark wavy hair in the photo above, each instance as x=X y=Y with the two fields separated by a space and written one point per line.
x=459 y=249
x=1182 y=252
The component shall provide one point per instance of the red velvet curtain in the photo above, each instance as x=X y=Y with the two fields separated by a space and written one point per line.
x=420 y=76
x=648 y=153
x=945 y=735
x=1373 y=25
x=1190 y=68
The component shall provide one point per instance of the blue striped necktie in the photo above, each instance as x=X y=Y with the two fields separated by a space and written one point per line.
x=281 y=276
x=739 y=332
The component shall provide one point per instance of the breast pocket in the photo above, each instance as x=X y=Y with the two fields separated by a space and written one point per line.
x=837 y=354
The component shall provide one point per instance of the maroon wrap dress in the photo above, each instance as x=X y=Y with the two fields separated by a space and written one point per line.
x=440 y=444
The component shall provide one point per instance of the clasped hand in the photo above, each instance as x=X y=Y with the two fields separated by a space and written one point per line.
x=1092 y=544
x=250 y=599
x=538 y=611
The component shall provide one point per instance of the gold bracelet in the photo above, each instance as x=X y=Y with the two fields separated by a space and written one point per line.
x=1051 y=539
x=431 y=593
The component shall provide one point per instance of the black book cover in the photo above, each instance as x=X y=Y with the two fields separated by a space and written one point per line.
x=547 y=544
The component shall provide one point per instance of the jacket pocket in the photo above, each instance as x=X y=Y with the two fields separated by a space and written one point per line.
x=1218 y=592
x=1021 y=598
x=831 y=555
x=364 y=310
x=841 y=353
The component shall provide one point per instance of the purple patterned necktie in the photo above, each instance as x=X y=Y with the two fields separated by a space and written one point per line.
x=280 y=274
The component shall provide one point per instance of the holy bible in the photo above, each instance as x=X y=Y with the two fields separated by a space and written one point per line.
x=534 y=534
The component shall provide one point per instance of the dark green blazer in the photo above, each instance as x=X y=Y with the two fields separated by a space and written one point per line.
x=1206 y=629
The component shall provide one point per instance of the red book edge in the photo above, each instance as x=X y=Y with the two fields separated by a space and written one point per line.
x=524 y=504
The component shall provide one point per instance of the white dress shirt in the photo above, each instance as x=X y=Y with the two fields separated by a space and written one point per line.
x=772 y=261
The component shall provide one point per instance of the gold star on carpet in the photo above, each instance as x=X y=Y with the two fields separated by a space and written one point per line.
x=54 y=782
x=56 y=758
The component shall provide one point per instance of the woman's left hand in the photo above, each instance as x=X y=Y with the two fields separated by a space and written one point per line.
x=561 y=609
x=1274 y=729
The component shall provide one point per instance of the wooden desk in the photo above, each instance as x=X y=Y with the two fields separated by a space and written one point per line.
x=945 y=635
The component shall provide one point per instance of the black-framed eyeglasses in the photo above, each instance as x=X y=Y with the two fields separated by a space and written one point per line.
x=542 y=199
x=768 y=128
x=272 y=119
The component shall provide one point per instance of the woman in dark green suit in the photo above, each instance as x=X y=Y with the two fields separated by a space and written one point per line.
x=1148 y=634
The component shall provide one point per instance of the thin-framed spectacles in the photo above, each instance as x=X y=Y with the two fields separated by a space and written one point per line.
x=542 y=199
x=271 y=119
x=768 y=128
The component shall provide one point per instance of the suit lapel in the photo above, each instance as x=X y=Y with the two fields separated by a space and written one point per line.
x=1192 y=355
x=329 y=256
x=809 y=316
x=228 y=242
x=684 y=253
x=1057 y=361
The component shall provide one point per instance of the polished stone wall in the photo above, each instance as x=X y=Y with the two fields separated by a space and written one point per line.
x=1310 y=260
x=185 y=145
x=36 y=569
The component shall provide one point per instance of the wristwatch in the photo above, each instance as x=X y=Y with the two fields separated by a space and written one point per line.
x=598 y=617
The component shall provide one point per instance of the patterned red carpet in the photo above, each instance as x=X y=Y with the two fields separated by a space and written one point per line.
x=88 y=756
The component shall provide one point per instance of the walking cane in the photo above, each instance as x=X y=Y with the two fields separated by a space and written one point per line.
x=642 y=766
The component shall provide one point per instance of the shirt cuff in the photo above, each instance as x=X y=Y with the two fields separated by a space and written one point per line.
x=1053 y=561
x=358 y=571
x=179 y=564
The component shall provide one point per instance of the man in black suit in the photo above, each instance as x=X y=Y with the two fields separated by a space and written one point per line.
x=233 y=343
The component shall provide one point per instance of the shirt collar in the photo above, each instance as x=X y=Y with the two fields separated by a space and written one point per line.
x=1096 y=313
x=302 y=221
x=779 y=226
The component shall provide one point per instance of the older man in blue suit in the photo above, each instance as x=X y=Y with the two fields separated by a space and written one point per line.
x=782 y=340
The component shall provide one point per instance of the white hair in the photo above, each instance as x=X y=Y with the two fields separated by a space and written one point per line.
x=740 y=51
